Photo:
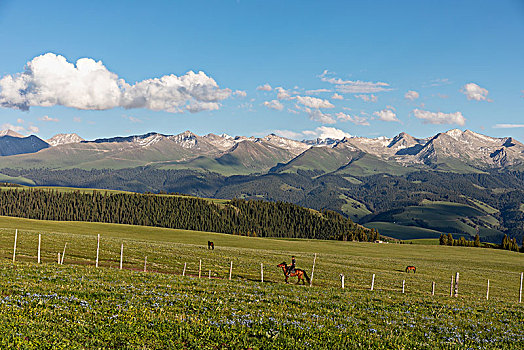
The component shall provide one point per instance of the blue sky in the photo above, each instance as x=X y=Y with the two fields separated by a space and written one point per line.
x=334 y=67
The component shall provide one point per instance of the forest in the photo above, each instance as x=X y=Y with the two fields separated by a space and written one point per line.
x=381 y=194
x=253 y=218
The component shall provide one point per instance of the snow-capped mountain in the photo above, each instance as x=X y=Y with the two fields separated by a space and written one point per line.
x=63 y=139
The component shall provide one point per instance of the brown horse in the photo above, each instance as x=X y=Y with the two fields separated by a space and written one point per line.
x=411 y=268
x=301 y=274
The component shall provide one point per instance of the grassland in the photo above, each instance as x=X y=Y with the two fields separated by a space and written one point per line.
x=76 y=305
x=440 y=217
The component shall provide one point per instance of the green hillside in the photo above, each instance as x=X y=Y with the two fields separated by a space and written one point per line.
x=107 y=307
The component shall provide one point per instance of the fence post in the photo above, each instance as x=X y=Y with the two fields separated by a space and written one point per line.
x=39 y=244
x=456 y=284
x=451 y=288
x=433 y=288
x=487 y=292
x=230 y=270
x=121 y=255
x=58 y=258
x=63 y=254
x=184 y=271
x=261 y=272
x=209 y=274
x=200 y=268
x=342 y=280
x=14 y=248
x=520 y=290
x=313 y=270
x=373 y=282
x=403 y=284
x=145 y=264
x=97 y=249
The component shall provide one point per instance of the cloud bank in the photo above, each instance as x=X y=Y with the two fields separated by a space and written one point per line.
x=439 y=117
x=354 y=86
x=50 y=80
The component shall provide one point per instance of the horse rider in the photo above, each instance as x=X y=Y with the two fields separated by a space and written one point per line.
x=291 y=268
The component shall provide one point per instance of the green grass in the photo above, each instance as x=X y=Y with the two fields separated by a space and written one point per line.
x=437 y=217
x=353 y=208
x=423 y=241
x=78 y=306
x=402 y=232
x=16 y=179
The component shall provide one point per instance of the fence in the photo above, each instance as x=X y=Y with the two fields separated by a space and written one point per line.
x=231 y=263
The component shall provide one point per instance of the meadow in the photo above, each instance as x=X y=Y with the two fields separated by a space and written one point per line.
x=76 y=305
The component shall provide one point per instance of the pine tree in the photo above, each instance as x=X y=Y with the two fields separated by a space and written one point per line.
x=443 y=240
x=450 y=239
x=477 y=240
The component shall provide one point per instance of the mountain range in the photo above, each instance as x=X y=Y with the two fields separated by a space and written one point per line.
x=454 y=150
x=456 y=181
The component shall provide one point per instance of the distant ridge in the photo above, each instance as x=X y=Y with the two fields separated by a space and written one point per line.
x=9 y=132
x=454 y=150
x=14 y=145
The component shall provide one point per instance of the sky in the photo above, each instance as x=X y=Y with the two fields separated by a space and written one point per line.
x=300 y=69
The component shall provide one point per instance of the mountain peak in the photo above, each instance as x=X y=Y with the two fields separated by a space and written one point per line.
x=63 y=139
x=9 y=132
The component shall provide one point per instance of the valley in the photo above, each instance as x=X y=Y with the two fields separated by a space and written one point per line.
x=475 y=182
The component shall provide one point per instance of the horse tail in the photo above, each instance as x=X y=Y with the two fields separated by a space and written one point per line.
x=306 y=276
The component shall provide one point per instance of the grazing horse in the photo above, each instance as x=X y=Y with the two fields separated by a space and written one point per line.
x=411 y=268
x=210 y=245
x=301 y=274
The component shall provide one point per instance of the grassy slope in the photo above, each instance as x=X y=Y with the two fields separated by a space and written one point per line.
x=439 y=217
x=124 y=309
x=402 y=232
x=167 y=250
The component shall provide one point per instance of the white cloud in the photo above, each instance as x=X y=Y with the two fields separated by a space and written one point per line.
x=317 y=91
x=313 y=102
x=265 y=87
x=475 y=92
x=387 y=115
x=508 y=126
x=337 y=97
x=47 y=118
x=50 y=80
x=197 y=106
x=318 y=116
x=274 y=104
x=353 y=119
x=132 y=119
x=326 y=132
x=289 y=134
x=411 y=95
x=282 y=94
x=367 y=98
x=439 y=117
x=354 y=86
x=31 y=129
x=438 y=82
x=240 y=93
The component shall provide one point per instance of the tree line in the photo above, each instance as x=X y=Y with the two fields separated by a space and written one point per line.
x=241 y=217
x=506 y=244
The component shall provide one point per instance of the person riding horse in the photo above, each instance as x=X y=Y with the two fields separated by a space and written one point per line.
x=291 y=268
